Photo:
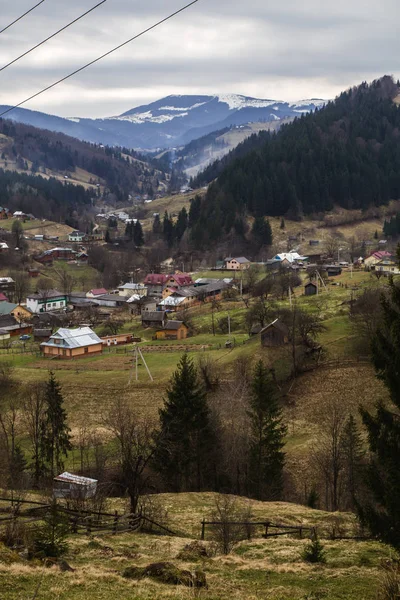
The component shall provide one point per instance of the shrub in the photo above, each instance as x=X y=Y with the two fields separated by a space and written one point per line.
x=226 y=532
x=314 y=552
x=389 y=586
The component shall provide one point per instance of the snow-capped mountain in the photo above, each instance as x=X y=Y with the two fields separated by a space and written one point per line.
x=171 y=121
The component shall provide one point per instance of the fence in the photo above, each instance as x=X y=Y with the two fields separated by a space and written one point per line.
x=79 y=521
x=268 y=527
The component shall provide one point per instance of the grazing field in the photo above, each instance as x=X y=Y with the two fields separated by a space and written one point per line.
x=256 y=569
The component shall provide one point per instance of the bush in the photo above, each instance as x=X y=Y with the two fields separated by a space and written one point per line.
x=152 y=507
x=389 y=586
x=314 y=552
x=165 y=572
x=226 y=532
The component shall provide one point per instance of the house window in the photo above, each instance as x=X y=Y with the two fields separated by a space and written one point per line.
x=86 y=350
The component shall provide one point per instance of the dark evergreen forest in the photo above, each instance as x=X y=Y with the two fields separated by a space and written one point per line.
x=345 y=154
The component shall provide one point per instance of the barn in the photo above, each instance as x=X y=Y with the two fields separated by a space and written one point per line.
x=310 y=289
x=275 y=334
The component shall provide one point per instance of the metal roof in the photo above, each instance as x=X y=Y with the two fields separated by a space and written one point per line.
x=75 y=479
x=73 y=338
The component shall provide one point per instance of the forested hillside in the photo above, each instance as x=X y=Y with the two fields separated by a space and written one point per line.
x=40 y=151
x=345 y=154
x=45 y=198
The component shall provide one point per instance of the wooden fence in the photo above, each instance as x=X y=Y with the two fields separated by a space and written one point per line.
x=80 y=521
x=270 y=529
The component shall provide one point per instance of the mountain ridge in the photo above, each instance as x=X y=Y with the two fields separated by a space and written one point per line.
x=168 y=122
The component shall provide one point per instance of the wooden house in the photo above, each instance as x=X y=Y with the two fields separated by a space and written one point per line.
x=7 y=285
x=42 y=335
x=333 y=270
x=153 y=319
x=173 y=330
x=74 y=487
x=155 y=283
x=21 y=313
x=72 y=343
x=275 y=334
x=10 y=324
x=46 y=300
x=310 y=289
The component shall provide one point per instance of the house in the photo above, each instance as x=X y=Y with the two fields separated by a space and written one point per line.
x=33 y=272
x=7 y=284
x=3 y=246
x=118 y=339
x=153 y=319
x=96 y=292
x=42 y=335
x=240 y=263
x=333 y=270
x=4 y=335
x=155 y=283
x=3 y=298
x=173 y=330
x=172 y=302
x=74 y=487
x=314 y=242
x=48 y=256
x=10 y=325
x=46 y=300
x=76 y=236
x=382 y=242
x=72 y=343
x=18 y=214
x=4 y=213
x=274 y=334
x=387 y=266
x=376 y=257
x=290 y=257
x=147 y=304
x=129 y=289
x=20 y=313
x=110 y=300
x=179 y=280
x=310 y=289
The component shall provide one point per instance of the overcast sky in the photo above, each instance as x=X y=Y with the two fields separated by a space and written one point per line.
x=285 y=50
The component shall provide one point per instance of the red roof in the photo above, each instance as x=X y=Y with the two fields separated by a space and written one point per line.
x=3 y=298
x=98 y=292
x=182 y=279
x=381 y=254
x=156 y=279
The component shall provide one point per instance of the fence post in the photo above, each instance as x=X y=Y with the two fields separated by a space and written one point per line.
x=74 y=525
x=266 y=529
x=115 y=524
x=203 y=529
x=301 y=533
x=89 y=526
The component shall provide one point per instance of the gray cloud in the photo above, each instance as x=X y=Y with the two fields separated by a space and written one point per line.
x=284 y=50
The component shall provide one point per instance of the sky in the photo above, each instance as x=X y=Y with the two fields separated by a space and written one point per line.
x=283 y=50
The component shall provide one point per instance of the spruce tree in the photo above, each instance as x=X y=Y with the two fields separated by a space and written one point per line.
x=380 y=510
x=353 y=454
x=55 y=438
x=186 y=442
x=138 y=236
x=267 y=437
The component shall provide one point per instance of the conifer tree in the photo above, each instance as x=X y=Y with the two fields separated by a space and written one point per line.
x=381 y=510
x=186 y=441
x=282 y=226
x=55 y=438
x=138 y=236
x=267 y=437
x=353 y=455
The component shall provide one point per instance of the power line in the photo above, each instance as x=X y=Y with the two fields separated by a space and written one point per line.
x=53 y=35
x=135 y=37
x=22 y=16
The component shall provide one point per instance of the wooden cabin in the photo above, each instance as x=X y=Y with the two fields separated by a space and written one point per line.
x=275 y=334
x=74 y=487
x=173 y=330
x=72 y=343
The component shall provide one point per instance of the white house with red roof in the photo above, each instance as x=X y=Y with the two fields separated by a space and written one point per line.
x=376 y=257
x=96 y=292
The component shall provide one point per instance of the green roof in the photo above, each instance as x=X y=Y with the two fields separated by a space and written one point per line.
x=7 y=307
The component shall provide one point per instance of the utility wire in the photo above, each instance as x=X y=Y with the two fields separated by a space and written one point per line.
x=135 y=37
x=22 y=16
x=53 y=35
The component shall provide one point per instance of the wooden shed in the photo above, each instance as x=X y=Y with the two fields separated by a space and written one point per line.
x=173 y=330
x=275 y=334
x=72 y=486
x=310 y=289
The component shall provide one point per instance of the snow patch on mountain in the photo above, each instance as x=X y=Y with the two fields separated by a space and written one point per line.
x=178 y=108
x=148 y=117
x=236 y=102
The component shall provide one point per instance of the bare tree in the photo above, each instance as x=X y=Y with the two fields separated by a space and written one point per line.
x=34 y=406
x=135 y=440
x=44 y=287
x=65 y=280
x=21 y=286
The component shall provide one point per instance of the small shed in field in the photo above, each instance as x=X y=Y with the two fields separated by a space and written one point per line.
x=72 y=486
x=275 y=334
x=310 y=289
